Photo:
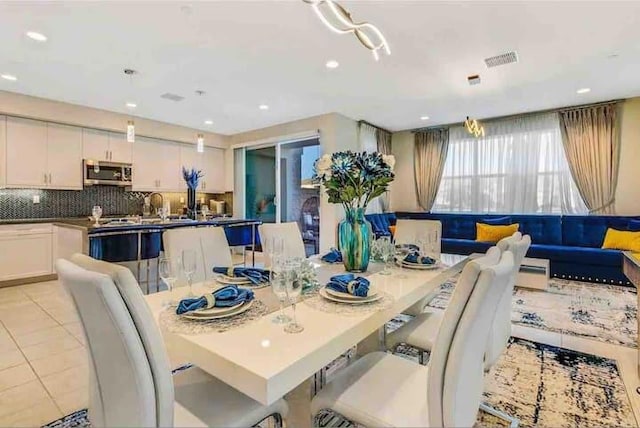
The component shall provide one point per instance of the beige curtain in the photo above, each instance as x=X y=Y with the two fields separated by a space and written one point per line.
x=383 y=139
x=591 y=139
x=430 y=153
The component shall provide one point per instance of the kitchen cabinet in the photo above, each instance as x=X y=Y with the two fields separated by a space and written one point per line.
x=3 y=151
x=190 y=158
x=64 y=157
x=43 y=155
x=26 y=153
x=156 y=165
x=214 y=179
x=26 y=251
x=106 y=146
x=68 y=241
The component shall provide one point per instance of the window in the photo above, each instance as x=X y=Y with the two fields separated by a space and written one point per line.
x=519 y=166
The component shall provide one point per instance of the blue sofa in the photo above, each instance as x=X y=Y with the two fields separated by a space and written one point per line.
x=572 y=243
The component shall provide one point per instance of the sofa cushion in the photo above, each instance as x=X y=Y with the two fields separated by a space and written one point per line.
x=622 y=240
x=491 y=233
x=589 y=231
x=380 y=223
x=577 y=255
x=464 y=246
x=634 y=225
x=499 y=221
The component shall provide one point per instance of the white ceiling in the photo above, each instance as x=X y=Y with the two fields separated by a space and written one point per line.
x=246 y=53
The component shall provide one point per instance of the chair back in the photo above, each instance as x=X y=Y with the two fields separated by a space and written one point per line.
x=142 y=317
x=501 y=329
x=289 y=232
x=209 y=243
x=438 y=360
x=124 y=384
x=407 y=231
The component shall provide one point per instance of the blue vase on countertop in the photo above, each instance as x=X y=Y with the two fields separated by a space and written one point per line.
x=191 y=203
x=354 y=236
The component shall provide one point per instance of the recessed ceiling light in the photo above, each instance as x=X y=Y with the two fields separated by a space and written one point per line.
x=9 y=77
x=424 y=117
x=208 y=122
x=332 y=64
x=263 y=107
x=39 y=37
x=132 y=105
x=583 y=90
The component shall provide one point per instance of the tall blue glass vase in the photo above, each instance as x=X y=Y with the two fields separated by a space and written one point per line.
x=191 y=203
x=354 y=236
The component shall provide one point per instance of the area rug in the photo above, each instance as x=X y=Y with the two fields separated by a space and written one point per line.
x=602 y=312
x=546 y=386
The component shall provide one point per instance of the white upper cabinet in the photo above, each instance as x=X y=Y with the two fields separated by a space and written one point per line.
x=95 y=144
x=26 y=153
x=64 y=157
x=3 y=151
x=156 y=165
x=190 y=158
x=214 y=179
x=106 y=146
x=121 y=150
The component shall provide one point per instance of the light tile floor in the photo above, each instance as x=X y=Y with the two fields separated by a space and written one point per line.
x=43 y=366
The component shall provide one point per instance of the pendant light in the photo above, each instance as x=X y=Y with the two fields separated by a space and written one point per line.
x=131 y=127
x=200 y=146
x=474 y=127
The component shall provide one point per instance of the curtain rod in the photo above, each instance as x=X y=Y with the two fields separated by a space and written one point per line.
x=375 y=126
x=514 y=116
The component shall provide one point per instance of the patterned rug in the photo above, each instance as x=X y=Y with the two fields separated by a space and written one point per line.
x=545 y=386
x=602 y=312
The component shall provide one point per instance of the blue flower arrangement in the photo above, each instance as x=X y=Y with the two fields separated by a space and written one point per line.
x=354 y=179
x=192 y=177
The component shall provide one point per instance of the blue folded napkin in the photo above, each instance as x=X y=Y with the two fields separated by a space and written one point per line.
x=415 y=258
x=224 y=297
x=349 y=283
x=333 y=256
x=255 y=275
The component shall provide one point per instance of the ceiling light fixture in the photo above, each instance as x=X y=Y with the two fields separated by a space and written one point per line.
x=208 y=122
x=332 y=64
x=263 y=107
x=200 y=146
x=9 y=77
x=424 y=117
x=132 y=105
x=583 y=90
x=474 y=128
x=39 y=37
x=339 y=20
x=131 y=127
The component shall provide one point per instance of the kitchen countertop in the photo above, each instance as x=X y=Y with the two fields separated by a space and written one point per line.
x=86 y=224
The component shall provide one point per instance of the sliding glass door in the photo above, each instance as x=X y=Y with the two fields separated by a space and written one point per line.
x=275 y=185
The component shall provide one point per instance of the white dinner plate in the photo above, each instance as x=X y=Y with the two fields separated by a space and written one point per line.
x=372 y=293
x=417 y=266
x=239 y=309
x=216 y=310
x=369 y=299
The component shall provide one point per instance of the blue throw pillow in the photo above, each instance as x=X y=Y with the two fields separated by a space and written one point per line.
x=498 y=221
x=633 y=226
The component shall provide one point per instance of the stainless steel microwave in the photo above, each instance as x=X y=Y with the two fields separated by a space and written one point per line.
x=106 y=173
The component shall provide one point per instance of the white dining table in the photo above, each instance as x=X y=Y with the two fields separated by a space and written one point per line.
x=264 y=362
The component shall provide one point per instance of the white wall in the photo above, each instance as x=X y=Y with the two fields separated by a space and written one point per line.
x=13 y=104
x=337 y=133
x=403 y=189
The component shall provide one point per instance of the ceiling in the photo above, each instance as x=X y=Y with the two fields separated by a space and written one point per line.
x=247 y=53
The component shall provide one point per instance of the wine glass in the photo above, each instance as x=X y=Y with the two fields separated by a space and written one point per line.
x=96 y=212
x=189 y=265
x=387 y=252
x=279 y=288
x=275 y=248
x=168 y=275
x=291 y=270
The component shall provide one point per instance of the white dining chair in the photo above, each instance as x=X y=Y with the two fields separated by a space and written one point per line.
x=130 y=377
x=407 y=230
x=209 y=243
x=385 y=390
x=289 y=232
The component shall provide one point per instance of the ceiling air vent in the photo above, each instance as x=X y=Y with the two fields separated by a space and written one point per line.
x=504 y=59
x=474 y=80
x=172 y=97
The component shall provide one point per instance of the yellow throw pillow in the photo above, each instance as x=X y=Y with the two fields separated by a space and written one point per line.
x=622 y=240
x=392 y=229
x=491 y=233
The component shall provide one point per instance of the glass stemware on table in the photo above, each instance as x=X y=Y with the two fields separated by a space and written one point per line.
x=387 y=254
x=290 y=270
x=169 y=275
x=189 y=265
x=96 y=212
x=275 y=251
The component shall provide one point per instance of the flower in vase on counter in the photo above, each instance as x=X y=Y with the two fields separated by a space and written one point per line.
x=192 y=177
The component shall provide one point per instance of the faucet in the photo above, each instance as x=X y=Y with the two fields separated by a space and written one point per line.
x=154 y=209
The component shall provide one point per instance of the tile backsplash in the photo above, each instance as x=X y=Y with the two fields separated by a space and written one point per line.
x=18 y=203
